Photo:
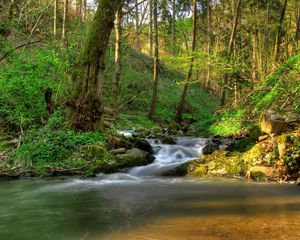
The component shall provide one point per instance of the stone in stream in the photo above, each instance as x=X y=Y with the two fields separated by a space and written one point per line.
x=134 y=157
x=210 y=148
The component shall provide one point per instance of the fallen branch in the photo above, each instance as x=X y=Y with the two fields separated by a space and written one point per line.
x=20 y=46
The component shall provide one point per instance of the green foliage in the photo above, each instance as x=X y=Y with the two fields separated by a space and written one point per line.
x=54 y=145
x=23 y=84
x=279 y=91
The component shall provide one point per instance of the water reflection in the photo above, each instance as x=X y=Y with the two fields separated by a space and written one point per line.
x=155 y=208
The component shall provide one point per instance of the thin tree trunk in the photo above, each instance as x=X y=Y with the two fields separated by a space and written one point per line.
x=65 y=21
x=156 y=62
x=174 y=27
x=230 y=48
x=86 y=103
x=84 y=10
x=78 y=8
x=150 y=28
x=118 y=50
x=208 y=43
x=279 y=34
x=266 y=41
x=180 y=108
x=297 y=33
x=55 y=18
x=254 y=56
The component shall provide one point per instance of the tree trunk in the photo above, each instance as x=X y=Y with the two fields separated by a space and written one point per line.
x=208 y=43
x=180 y=108
x=279 y=35
x=86 y=103
x=174 y=27
x=55 y=17
x=266 y=41
x=78 y=8
x=84 y=10
x=65 y=21
x=150 y=28
x=297 y=33
x=156 y=63
x=230 y=48
x=118 y=50
x=254 y=56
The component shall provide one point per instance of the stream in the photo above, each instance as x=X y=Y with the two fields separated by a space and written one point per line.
x=140 y=204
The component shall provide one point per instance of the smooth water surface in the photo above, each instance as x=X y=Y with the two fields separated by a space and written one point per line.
x=120 y=206
x=143 y=206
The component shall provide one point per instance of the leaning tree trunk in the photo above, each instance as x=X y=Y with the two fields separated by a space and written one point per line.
x=179 y=112
x=156 y=62
x=86 y=103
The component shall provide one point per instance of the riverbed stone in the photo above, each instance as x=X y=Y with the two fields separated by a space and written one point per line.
x=209 y=148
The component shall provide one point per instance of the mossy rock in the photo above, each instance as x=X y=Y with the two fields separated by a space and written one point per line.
x=168 y=140
x=140 y=143
x=260 y=173
x=95 y=152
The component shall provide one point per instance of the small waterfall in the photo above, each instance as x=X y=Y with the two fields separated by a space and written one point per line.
x=168 y=157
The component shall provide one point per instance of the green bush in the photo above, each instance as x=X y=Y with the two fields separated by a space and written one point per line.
x=23 y=84
x=54 y=144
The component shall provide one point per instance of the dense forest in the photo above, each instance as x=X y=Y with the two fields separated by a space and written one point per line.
x=73 y=74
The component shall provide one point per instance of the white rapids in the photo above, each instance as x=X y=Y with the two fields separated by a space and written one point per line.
x=168 y=157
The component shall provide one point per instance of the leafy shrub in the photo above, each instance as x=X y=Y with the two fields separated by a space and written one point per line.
x=22 y=87
x=53 y=144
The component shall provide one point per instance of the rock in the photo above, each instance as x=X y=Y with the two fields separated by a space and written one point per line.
x=168 y=140
x=209 y=148
x=96 y=152
x=260 y=173
x=134 y=157
x=118 y=151
x=141 y=143
x=262 y=138
x=272 y=123
x=282 y=143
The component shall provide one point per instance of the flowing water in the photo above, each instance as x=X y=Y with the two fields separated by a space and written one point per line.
x=141 y=205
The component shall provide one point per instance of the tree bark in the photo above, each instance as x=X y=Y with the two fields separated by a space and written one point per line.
x=254 y=56
x=79 y=8
x=150 y=28
x=230 y=48
x=84 y=10
x=297 y=33
x=279 y=35
x=65 y=21
x=86 y=103
x=174 y=27
x=180 y=108
x=118 y=50
x=208 y=43
x=156 y=62
x=55 y=18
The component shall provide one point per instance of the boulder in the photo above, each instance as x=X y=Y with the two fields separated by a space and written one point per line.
x=260 y=173
x=134 y=157
x=168 y=140
x=118 y=151
x=141 y=143
x=273 y=123
x=210 y=148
